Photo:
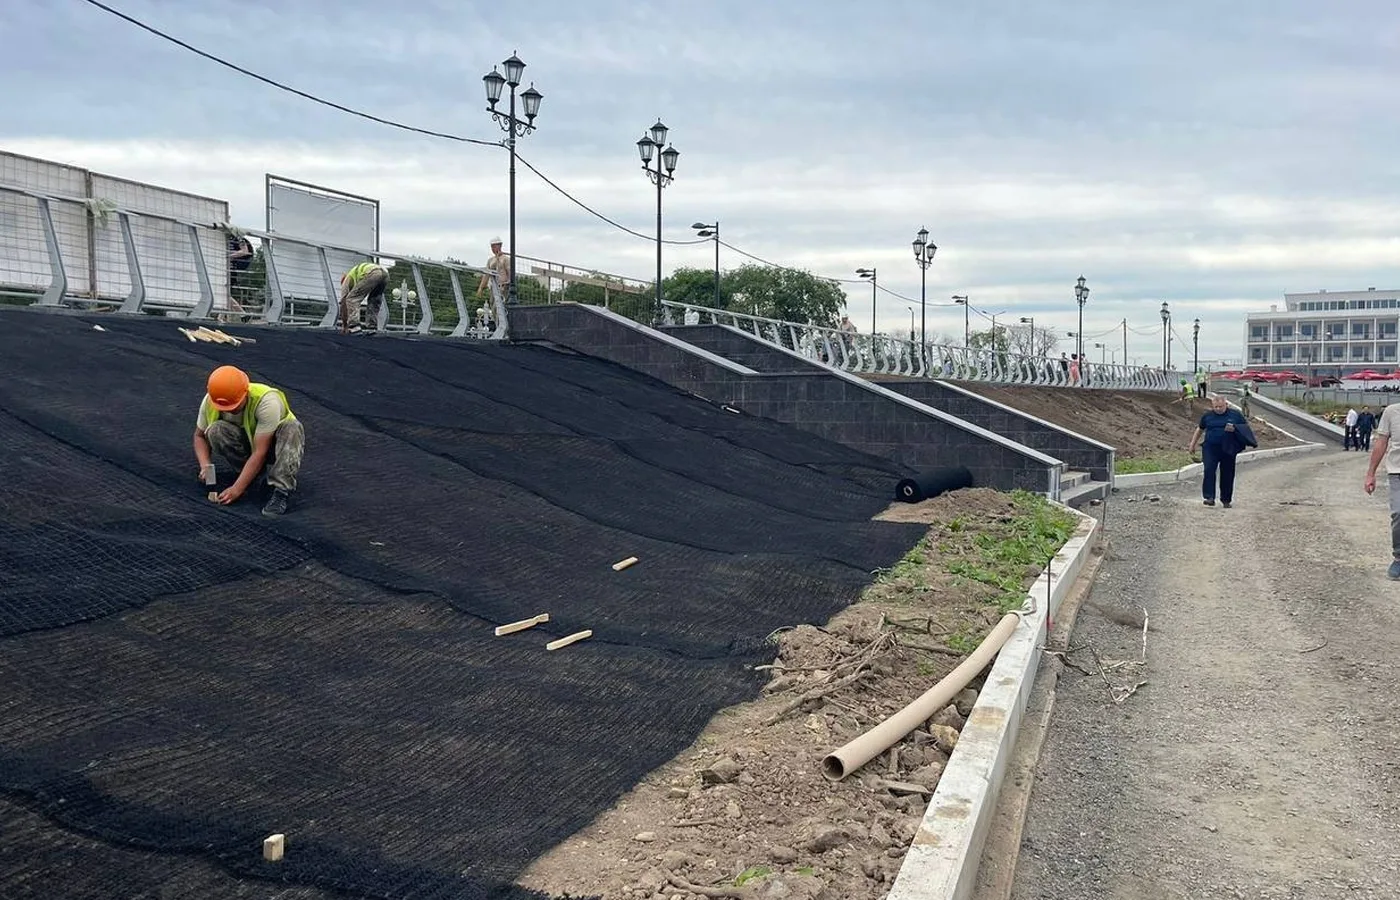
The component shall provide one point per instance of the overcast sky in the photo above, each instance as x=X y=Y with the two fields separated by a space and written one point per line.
x=1211 y=154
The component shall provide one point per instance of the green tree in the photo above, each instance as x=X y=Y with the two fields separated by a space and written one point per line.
x=984 y=340
x=793 y=295
x=696 y=287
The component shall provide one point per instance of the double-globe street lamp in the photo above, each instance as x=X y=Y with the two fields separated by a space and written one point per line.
x=513 y=127
x=1081 y=293
x=923 y=255
x=704 y=231
x=666 y=159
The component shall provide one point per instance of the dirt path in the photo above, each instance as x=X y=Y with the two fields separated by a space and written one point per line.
x=1261 y=758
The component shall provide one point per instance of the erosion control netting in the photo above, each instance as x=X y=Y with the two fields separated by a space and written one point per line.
x=184 y=677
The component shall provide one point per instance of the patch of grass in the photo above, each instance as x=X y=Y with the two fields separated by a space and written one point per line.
x=1011 y=545
x=750 y=874
x=1165 y=461
x=805 y=870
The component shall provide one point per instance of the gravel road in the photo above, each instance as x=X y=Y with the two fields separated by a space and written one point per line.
x=1262 y=757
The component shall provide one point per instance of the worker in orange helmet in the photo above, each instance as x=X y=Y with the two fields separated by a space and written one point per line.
x=251 y=426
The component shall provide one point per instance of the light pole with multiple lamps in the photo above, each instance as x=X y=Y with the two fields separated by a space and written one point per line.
x=967 y=323
x=1081 y=293
x=1166 y=337
x=405 y=295
x=923 y=255
x=703 y=230
x=870 y=273
x=513 y=127
x=650 y=145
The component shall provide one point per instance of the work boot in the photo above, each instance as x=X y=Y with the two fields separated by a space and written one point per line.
x=1393 y=573
x=276 y=504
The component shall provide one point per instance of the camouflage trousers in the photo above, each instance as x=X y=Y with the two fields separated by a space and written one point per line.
x=372 y=287
x=283 y=459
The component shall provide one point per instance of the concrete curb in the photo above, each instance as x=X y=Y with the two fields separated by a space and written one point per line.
x=1185 y=473
x=942 y=861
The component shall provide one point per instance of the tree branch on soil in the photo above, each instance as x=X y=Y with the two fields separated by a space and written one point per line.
x=855 y=668
x=735 y=893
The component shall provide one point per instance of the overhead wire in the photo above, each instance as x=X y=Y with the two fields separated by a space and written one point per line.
x=498 y=144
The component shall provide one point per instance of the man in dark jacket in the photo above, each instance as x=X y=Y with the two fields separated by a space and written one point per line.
x=1222 y=433
x=1365 y=424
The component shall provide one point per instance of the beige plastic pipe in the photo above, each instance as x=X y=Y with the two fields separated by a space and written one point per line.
x=840 y=763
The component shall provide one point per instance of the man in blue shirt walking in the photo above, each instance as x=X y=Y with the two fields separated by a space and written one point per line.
x=1225 y=433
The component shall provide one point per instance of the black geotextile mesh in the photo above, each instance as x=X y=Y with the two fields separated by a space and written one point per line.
x=332 y=674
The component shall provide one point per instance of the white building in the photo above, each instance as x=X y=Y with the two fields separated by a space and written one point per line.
x=1330 y=332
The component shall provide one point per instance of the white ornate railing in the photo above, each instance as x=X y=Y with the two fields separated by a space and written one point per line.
x=882 y=354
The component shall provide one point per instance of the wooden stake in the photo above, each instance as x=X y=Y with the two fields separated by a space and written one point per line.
x=566 y=641
x=189 y=335
x=213 y=496
x=513 y=627
x=626 y=563
x=274 y=846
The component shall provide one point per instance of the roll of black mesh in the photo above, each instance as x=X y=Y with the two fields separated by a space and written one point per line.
x=932 y=483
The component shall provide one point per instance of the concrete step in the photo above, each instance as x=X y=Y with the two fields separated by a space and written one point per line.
x=1073 y=478
x=1081 y=493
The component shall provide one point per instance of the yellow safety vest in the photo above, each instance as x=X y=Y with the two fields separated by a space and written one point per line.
x=256 y=392
x=360 y=271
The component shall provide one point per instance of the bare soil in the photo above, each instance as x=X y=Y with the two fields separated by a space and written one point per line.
x=746 y=812
x=1137 y=423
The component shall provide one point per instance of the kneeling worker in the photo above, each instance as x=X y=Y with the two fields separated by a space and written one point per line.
x=251 y=426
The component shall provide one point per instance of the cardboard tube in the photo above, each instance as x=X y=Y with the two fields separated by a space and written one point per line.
x=840 y=763
x=629 y=561
x=566 y=641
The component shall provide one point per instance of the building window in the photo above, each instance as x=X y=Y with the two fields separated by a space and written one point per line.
x=1259 y=332
x=1386 y=353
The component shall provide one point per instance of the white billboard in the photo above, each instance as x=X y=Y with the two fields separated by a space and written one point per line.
x=319 y=217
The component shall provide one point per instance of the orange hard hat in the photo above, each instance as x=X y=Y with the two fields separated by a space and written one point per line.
x=228 y=387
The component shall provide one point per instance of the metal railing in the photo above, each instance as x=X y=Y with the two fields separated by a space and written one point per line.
x=883 y=354
x=62 y=250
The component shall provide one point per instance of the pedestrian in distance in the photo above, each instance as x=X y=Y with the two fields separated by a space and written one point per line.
x=1365 y=424
x=1384 y=448
x=364 y=282
x=1349 y=431
x=1221 y=433
x=251 y=426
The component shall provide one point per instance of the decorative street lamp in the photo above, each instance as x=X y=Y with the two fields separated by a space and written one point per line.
x=1196 y=348
x=967 y=327
x=513 y=127
x=870 y=273
x=665 y=159
x=1081 y=293
x=1166 y=337
x=703 y=230
x=405 y=295
x=923 y=255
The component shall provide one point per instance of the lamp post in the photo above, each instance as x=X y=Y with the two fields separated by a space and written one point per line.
x=923 y=255
x=911 y=323
x=1030 y=345
x=1196 y=348
x=1103 y=351
x=967 y=327
x=405 y=295
x=703 y=230
x=649 y=146
x=870 y=273
x=1081 y=293
x=1166 y=337
x=513 y=127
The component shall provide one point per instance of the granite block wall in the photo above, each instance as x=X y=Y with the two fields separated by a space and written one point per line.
x=847 y=410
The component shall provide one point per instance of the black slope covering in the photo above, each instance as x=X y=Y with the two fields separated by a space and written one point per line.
x=184 y=679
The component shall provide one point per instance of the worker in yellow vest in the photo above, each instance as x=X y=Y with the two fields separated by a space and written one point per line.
x=252 y=427
x=364 y=281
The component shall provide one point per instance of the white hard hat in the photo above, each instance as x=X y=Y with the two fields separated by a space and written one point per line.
x=495 y=240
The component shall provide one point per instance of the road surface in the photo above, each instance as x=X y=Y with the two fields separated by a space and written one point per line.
x=1262 y=757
